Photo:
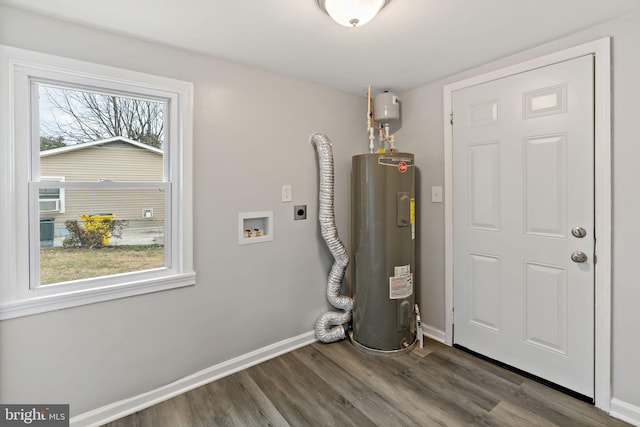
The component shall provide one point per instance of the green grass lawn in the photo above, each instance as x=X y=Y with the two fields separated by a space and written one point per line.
x=64 y=264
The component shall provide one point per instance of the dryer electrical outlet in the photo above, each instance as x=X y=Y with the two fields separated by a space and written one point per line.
x=300 y=212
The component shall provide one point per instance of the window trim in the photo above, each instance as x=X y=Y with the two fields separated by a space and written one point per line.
x=18 y=68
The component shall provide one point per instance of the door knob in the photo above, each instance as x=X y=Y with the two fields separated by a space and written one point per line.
x=578 y=232
x=578 y=256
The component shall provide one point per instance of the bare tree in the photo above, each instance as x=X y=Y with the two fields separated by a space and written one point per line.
x=83 y=116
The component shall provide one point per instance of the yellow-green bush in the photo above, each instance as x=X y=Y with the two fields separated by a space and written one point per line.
x=95 y=230
x=100 y=224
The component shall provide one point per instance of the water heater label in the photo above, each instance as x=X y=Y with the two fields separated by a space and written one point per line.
x=412 y=218
x=400 y=286
x=401 y=270
x=412 y=211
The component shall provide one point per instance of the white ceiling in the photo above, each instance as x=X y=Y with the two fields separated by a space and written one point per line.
x=410 y=43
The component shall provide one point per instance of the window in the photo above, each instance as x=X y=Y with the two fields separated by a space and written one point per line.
x=95 y=183
x=51 y=199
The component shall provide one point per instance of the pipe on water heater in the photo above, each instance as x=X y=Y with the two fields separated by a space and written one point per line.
x=329 y=326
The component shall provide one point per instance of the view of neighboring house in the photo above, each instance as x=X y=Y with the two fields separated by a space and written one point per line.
x=114 y=159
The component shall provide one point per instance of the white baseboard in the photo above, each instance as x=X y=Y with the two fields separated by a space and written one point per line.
x=625 y=411
x=122 y=408
x=433 y=333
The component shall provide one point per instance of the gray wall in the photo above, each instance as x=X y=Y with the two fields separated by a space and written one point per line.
x=251 y=132
x=423 y=128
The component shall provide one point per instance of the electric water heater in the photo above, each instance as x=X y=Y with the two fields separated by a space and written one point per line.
x=383 y=251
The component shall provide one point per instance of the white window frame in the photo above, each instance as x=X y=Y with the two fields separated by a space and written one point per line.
x=19 y=69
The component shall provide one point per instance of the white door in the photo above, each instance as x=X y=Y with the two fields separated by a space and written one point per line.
x=523 y=179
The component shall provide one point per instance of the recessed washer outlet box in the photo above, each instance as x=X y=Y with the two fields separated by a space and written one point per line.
x=300 y=212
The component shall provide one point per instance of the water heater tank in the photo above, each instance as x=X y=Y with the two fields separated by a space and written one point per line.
x=386 y=107
x=383 y=252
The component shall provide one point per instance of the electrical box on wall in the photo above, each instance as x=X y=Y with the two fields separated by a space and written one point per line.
x=255 y=227
x=300 y=212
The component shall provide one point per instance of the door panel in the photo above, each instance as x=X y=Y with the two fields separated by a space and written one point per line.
x=545 y=185
x=485 y=288
x=523 y=173
x=484 y=186
x=545 y=307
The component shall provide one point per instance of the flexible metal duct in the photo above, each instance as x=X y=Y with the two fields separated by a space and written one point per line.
x=329 y=325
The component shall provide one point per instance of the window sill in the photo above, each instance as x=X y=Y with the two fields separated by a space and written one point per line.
x=70 y=299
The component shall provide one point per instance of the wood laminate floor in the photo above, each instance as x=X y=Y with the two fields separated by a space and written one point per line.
x=337 y=385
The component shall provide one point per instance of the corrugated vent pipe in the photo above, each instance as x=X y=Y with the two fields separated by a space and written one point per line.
x=329 y=325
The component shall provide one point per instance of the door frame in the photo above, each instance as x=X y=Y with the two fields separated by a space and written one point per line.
x=601 y=49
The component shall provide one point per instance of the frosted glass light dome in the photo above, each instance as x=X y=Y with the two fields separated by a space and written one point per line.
x=352 y=13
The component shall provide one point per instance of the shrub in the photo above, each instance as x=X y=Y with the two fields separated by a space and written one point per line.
x=94 y=233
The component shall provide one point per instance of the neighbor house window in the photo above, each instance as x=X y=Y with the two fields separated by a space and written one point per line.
x=100 y=185
x=51 y=199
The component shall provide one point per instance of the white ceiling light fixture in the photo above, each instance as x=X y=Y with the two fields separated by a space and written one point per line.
x=352 y=13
